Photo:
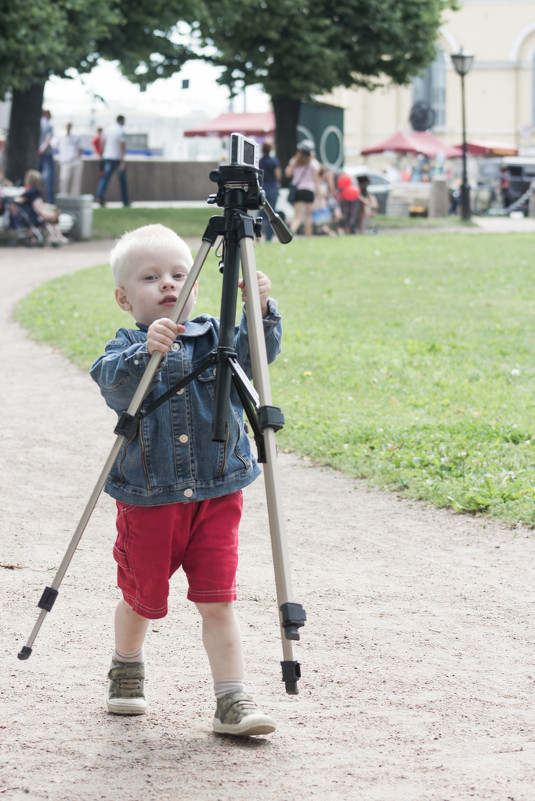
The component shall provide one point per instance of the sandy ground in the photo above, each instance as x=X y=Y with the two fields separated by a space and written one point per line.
x=417 y=658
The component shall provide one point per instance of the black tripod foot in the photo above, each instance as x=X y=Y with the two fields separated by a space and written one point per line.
x=291 y=672
x=24 y=652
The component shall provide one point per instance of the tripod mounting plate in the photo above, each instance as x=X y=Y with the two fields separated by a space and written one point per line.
x=239 y=186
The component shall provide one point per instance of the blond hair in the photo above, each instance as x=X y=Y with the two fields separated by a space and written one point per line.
x=32 y=178
x=147 y=237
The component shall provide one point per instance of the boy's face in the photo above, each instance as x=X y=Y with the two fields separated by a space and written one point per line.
x=154 y=282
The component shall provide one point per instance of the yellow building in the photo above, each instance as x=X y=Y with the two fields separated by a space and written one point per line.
x=500 y=87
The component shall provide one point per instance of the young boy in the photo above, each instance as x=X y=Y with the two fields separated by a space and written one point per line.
x=178 y=493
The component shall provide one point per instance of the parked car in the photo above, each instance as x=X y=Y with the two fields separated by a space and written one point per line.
x=379 y=185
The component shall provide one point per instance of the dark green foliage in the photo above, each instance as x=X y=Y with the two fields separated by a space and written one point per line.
x=297 y=49
x=293 y=48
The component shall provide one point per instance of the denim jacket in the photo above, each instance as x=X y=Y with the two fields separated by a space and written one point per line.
x=172 y=458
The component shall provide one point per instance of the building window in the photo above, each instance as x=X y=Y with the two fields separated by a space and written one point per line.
x=430 y=87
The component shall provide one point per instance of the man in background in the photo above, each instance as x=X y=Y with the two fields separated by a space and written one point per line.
x=113 y=157
x=70 y=162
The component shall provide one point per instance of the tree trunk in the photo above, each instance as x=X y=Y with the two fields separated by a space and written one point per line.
x=286 y=111
x=23 y=137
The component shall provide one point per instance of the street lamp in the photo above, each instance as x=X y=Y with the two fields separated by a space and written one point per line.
x=463 y=63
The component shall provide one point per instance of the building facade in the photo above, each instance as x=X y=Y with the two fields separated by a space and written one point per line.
x=499 y=89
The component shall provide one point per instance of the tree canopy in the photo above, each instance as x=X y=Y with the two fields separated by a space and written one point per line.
x=299 y=48
x=295 y=49
x=41 y=38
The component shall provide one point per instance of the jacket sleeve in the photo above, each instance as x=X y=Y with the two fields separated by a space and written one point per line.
x=119 y=370
x=272 y=335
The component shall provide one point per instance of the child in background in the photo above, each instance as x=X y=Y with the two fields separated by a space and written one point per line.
x=31 y=201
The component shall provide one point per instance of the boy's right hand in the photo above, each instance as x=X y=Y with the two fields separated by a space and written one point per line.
x=162 y=333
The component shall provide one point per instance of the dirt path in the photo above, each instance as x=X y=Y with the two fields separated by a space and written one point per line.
x=417 y=657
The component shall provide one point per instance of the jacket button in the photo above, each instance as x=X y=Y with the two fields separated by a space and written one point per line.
x=175 y=346
x=180 y=391
x=188 y=493
x=183 y=438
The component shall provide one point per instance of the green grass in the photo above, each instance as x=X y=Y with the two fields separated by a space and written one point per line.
x=407 y=360
x=112 y=223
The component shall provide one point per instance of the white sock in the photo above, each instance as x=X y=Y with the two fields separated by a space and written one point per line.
x=135 y=657
x=228 y=686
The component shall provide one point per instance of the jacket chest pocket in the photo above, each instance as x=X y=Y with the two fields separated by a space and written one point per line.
x=207 y=380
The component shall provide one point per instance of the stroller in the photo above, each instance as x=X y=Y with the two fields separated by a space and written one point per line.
x=29 y=228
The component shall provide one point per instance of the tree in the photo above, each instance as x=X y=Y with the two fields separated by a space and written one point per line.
x=297 y=49
x=294 y=48
x=44 y=38
x=50 y=37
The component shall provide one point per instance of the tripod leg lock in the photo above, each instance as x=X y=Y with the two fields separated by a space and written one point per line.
x=291 y=672
x=47 y=599
x=270 y=417
x=293 y=616
x=126 y=425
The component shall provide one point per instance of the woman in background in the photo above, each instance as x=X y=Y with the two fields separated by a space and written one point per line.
x=303 y=169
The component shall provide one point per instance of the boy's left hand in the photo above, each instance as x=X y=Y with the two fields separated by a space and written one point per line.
x=264 y=288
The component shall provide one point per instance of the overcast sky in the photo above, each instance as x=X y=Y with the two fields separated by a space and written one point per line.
x=104 y=93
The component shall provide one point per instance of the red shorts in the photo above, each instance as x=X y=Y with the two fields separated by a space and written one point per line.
x=154 y=541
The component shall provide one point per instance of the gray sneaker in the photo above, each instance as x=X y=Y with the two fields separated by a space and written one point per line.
x=237 y=713
x=126 y=688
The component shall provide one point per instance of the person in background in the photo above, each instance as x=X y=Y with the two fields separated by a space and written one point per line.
x=31 y=201
x=367 y=204
x=5 y=218
x=4 y=205
x=325 y=210
x=3 y=147
x=113 y=156
x=272 y=176
x=70 y=162
x=505 y=186
x=46 y=156
x=97 y=143
x=303 y=169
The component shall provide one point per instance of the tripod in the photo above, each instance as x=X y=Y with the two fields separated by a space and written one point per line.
x=239 y=189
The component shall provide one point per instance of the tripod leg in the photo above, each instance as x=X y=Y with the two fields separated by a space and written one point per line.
x=50 y=593
x=292 y=615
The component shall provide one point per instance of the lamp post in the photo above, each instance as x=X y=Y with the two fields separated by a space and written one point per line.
x=463 y=63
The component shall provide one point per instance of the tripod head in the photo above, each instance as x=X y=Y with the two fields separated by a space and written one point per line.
x=240 y=185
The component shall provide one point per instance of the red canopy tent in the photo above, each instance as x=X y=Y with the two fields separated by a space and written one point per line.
x=413 y=142
x=261 y=124
x=480 y=148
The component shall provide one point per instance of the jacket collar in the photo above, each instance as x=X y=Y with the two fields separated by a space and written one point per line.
x=194 y=328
